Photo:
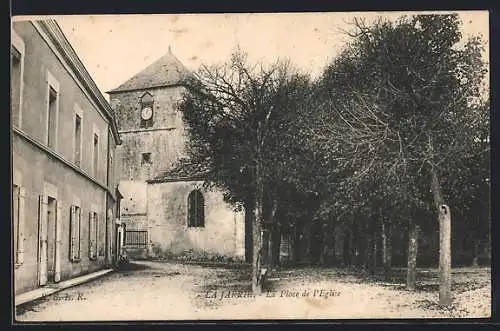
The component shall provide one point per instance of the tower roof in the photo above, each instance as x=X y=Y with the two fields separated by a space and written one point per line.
x=165 y=71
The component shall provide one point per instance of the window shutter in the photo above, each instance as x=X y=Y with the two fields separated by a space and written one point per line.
x=20 y=231
x=91 y=235
x=42 y=230
x=102 y=234
x=57 y=267
x=79 y=233
x=72 y=221
x=109 y=237
x=96 y=234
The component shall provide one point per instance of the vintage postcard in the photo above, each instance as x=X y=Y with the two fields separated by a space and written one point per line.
x=250 y=166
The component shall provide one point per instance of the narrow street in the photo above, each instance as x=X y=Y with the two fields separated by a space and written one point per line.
x=169 y=291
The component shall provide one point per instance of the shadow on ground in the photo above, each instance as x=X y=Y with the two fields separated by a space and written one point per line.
x=463 y=279
x=132 y=266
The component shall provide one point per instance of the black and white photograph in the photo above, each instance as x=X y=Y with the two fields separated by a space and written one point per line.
x=250 y=166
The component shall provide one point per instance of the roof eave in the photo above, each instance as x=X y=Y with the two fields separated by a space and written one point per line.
x=53 y=30
x=170 y=179
x=119 y=90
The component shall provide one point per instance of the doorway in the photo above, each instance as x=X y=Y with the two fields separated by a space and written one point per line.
x=49 y=241
x=51 y=238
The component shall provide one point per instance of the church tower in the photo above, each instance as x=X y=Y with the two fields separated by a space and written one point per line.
x=148 y=118
x=165 y=213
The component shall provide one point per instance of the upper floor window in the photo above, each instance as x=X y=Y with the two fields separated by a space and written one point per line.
x=52 y=111
x=147 y=106
x=52 y=118
x=95 y=154
x=196 y=209
x=16 y=77
x=78 y=139
x=15 y=81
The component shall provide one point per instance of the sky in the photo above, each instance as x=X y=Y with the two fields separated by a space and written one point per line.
x=113 y=48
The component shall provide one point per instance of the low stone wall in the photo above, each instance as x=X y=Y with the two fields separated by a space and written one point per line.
x=193 y=255
x=136 y=253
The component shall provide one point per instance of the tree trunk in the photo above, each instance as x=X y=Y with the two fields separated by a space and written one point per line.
x=322 y=255
x=476 y=251
x=386 y=249
x=340 y=243
x=249 y=220
x=257 y=276
x=326 y=244
x=352 y=249
x=323 y=246
x=368 y=247
x=444 y=219
x=257 y=251
x=374 y=253
x=307 y=242
x=276 y=245
x=488 y=242
x=444 y=256
x=411 y=275
x=292 y=244
x=436 y=189
x=358 y=249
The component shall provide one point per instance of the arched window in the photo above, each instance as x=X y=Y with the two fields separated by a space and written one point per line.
x=147 y=103
x=196 y=209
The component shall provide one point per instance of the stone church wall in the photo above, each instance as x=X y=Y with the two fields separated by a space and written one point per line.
x=161 y=208
x=223 y=233
x=164 y=140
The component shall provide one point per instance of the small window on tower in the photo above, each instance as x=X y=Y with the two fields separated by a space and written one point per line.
x=147 y=103
x=146 y=158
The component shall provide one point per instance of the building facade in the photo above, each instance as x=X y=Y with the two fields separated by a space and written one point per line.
x=166 y=212
x=65 y=201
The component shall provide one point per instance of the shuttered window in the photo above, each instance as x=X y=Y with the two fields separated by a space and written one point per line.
x=75 y=222
x=78 y=139
x=18 y=223
x=53 y=108
x=16 y=81
x=95 y=156
x=93 y=218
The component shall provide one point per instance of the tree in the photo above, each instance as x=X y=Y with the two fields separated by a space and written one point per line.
x=239 y=127
x=395 y=106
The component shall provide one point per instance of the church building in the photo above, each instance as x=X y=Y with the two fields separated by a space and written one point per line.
x=167 y=213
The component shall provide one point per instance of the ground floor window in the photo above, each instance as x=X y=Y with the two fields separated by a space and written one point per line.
x=18 y=223
x=93 y=219
x=75 y=221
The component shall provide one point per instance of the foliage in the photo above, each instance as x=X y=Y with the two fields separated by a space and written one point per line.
x=396 y=124
x=401 y=99
x=234 y=110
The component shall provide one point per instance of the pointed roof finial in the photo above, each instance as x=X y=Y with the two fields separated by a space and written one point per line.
x=165 y=71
